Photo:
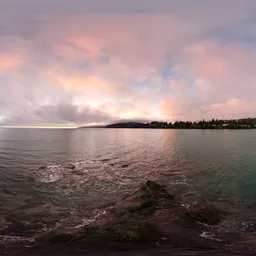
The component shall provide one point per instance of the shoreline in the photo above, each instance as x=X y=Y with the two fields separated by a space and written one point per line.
x=154 y=220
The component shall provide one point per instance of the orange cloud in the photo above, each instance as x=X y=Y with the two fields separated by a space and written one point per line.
x=10 y=62
x=172 y=109
x=91 y=45
x=90 y=84
x=232 y=108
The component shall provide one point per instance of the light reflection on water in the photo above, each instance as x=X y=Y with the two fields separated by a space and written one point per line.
x=109 y=163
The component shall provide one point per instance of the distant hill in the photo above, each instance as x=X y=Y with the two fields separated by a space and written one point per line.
x=244 y=123
x=127 y=125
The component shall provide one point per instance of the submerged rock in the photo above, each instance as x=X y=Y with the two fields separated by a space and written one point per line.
x=42 y=167
x=151 y=216
x=78 y=172
x=105 y=160
x=71 y=166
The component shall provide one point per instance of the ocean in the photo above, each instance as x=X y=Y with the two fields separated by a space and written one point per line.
x=64 y=177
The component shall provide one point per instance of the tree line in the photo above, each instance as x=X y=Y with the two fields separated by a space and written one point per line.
x=246 y=123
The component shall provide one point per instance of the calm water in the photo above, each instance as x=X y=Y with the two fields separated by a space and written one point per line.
x=109 y=163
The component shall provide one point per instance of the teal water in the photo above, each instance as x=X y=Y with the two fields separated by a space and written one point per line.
x=224 y=160
x=36 y=178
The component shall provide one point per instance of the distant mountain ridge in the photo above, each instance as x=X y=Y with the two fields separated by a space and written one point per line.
x=127 y=125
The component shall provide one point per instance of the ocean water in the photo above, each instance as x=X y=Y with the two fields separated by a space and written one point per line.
x=51 y=178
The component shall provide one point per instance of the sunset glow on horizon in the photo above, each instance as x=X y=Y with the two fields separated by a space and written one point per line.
x=72 y=63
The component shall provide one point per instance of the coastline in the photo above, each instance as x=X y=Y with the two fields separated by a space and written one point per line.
x=153 y=220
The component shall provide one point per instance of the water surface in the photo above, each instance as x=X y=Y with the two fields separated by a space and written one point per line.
x=50 y=178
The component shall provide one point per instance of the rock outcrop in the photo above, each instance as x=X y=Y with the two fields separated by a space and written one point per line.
x=151 y=216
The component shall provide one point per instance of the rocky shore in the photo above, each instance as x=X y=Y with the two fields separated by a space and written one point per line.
x=154 y=218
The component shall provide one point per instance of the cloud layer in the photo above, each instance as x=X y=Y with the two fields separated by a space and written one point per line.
x=89 y=62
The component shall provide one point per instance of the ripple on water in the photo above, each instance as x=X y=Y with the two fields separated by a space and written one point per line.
x=50 y=174
x=97 y=169
x=14 y=239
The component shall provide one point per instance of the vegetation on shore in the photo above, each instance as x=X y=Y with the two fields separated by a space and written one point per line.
x=246 y=123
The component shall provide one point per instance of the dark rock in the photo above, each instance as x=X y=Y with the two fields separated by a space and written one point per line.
x=20 y=229
x=155 y=191
x=7 y=191
x=147 y=199
x=146 y=208
x=153 y=186
x=121 y=232
x=78 y=172
x=62 y=238
x=131 y=232
x=43 y=167
x=105 y=160
x=119 y=164
x=60 y=235
x=201 y=216
x=149 y=216
x=71 y=166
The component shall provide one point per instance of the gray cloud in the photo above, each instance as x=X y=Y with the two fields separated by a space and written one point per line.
x=69 y=113
x=123 y=6
x=61 y=63
x=62 y=113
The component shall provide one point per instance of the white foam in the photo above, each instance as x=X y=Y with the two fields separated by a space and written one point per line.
x=210 y=236
x=51 y=174
x=14 y=239
x=88 y=221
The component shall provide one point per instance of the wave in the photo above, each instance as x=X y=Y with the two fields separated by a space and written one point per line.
x=99 y=168
x=14 y=239
x=50 y=174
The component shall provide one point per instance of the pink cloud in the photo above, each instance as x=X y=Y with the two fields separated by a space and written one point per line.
x=117 y=65
x=179 y=86
x=232 y=108
x=10 y=62
x=207 y=58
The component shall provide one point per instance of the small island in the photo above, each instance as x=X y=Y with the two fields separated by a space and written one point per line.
x=245 y=123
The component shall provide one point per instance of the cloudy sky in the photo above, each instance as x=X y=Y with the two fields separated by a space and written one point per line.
x=80 y=62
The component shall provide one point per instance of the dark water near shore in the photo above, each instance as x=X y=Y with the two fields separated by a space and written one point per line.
x=108 y=164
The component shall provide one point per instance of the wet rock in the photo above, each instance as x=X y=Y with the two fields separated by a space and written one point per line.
x=7 y=191
x=71 y=166
x=78 y=172
x=43 y=167
x=248 y=226
x=155 y=187
x=105 y=160
x=122 y=232
x=119 y=164
x=147 y=216
x=21 y=229
x=204 y=216
x=60 y=235
x=145 y=208
x=153 y=191
x=200 y=217
x=62 y=238
x=145 y=201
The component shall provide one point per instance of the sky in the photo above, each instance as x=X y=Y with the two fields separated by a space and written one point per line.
x=88 y=62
